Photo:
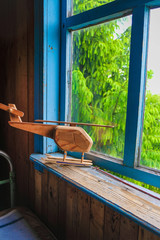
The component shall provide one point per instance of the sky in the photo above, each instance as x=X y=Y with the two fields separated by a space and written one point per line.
x=153 y=60
x=154 y=51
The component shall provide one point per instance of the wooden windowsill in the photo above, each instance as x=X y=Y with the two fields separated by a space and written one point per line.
x=136 y=205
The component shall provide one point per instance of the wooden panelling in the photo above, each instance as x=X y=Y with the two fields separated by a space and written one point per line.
x=62 y=197
x=31 y=185
x=111 y=224
x=53 y=202
x=128 y=229
x=83 y=216
x=17 y=86
x=97 y=220
x=45 y=195
x=72 y=214
x=38 y=193
x=146 y=235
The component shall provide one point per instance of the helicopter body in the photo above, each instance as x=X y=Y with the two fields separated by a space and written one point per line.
x=68 y=138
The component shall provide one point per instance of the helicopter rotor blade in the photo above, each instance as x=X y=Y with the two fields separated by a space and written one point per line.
x=76 y=123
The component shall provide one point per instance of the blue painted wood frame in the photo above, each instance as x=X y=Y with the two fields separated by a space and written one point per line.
x=44 y=58
x=140 y=11
x=38 y=69
x=63 y=61
x=106 y=12
x=47 y=67
x=51 y=65
x=136 y=86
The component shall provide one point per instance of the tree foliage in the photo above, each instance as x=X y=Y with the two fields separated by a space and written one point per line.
x=100 y=86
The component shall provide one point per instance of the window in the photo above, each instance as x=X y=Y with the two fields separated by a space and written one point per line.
x=103 y=79
x=100 y=70
x=150 y=154
x=79 y=6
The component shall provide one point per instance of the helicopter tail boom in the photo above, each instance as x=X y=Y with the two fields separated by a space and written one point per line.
x=45 y=130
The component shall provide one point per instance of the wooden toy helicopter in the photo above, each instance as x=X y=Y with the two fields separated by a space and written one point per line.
x=68 y=138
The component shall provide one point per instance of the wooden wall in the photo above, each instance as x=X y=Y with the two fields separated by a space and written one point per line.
x=16 y=84
x=72 y=214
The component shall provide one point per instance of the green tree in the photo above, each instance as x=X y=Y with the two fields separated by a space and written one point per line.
x=100 y=82
x=151 y=133
x=100 y=86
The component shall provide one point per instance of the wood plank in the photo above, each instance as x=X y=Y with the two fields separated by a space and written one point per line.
x=38 y=192
x=111 y=224
x=73 y=162
x=20 y=87
x=71 y=212
x=53 y=202
x=30 y=68
x=104 y=223
x=62 y=198
x=31 y=190
x=44 y=211
x=97 y=220
x=146 y=235
x=128 y=229
x=83 y=216
x=50 y=157
x=118 y=194
x=15 y=46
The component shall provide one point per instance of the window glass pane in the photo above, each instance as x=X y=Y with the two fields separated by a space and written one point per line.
x=84 y=5
x=100 y=68
x=150 y=154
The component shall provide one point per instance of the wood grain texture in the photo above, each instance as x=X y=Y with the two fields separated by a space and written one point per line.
x=11 y=109
x=83 y=216
x=53 y=202
x=97 y=220
x=118 y=194
x=72 y=139
x=31 y=186
x=146 y=235
x=111 y=224
x=16 y=81
x=45 y=195
x=71 y=213
x=128 y=229
x=62 y=199
x=13 y=116
x=41 y=129
x=38 y=193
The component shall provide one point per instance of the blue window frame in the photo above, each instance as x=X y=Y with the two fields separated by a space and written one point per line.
x=51 y=87
x=46 y=67
x=137 y=75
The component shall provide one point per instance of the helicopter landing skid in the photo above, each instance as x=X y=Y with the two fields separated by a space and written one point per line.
x=67 y=161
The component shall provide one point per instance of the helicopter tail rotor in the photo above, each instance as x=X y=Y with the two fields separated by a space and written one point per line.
x=15 y=115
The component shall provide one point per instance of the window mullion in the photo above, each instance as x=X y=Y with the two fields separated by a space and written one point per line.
x=38 y=70
x=63 y=61
x=136 y=87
